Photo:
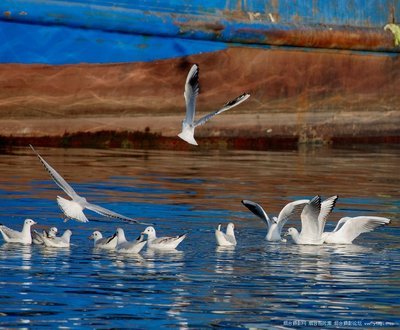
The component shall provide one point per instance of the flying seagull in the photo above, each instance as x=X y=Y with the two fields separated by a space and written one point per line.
x=73 y=209
x=190 y=94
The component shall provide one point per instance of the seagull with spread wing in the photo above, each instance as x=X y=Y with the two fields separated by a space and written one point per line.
x=275 y=225
x=190 y=94
x=73 y=209
x=349 y=228
x=313 y=219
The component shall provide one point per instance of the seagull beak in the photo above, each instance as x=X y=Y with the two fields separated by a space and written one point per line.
x=286 y=234
x=91 y=237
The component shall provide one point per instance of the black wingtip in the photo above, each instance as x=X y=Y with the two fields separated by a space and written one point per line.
x=237 y=100
x=247 y=201
x=193 y=79
x=316 y=201
x=334 y=201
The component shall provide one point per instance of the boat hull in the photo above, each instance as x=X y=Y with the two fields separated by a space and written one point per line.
x=308 y=82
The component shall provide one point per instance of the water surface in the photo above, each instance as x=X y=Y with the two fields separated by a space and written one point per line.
x=255 y=285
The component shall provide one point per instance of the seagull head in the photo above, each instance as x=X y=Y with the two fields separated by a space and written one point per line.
x=150 y=232
x=291 y=232
x=96 y=235
x=53 y=231
x=29 y=222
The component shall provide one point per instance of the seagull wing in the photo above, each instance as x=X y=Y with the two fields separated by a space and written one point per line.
x=111 y=238
x=190 y=94
x=353 y=227
x=11 y=233
x=227 y=106
x=309 y=218
x=167 y=240
x=258 y=211
x=289 y=210
x=58 y=179
x=340 y=223
x=326 y=208
x=111 y=214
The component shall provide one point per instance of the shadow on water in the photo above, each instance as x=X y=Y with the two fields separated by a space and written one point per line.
x=255 y=284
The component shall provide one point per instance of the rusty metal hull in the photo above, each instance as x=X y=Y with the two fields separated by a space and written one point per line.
x=308 y=96
x=319 y=73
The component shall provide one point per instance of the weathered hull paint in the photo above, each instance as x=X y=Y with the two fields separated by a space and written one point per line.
x=342 y=24
x=320 y=71
x=314 y=96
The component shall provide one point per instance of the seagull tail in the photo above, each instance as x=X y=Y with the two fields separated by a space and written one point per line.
x=188 y=137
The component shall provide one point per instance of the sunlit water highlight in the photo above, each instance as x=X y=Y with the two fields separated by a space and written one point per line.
x=255 y=285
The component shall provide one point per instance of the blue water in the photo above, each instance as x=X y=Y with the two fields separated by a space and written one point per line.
x=256 y=285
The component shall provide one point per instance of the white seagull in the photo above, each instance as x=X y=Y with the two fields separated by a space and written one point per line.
x=190 y=94
x=162 y=243
x=129 y=247
x=73 y=209
x=14 y=236
x=349 y=228
x=228 y=238
x=106 y=243
x=58 y=242
x=275 y=225
x=37 y=237
x=313 y=219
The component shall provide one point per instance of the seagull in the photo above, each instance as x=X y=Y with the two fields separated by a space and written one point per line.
x=190 y=94
x=106 y=243
x=161 y=243
x=313 y=218
x=276 y=224
x=228 y=238
x=58 y=242
x=73 y=209
x=349 y=228
x=14 y=236
x=129 y=247
x=36 y=236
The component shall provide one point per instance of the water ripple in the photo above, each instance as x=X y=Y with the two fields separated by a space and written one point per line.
x=255 y=285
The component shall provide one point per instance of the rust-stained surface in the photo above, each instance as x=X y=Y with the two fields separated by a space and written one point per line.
x=295 y=95
x=330 y=37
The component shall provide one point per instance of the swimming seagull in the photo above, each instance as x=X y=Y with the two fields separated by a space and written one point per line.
x=58 y=242
x=228 y=238
x=73 y=209
x=276 y=224
x=349 y=228
x=190 y=94
x=313 y=219
x=161 y=243
x=129 y=247
x=37 y=237
x=106 y=243
x=14 y=236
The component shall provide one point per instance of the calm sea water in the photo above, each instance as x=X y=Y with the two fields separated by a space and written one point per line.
x=255 y=285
